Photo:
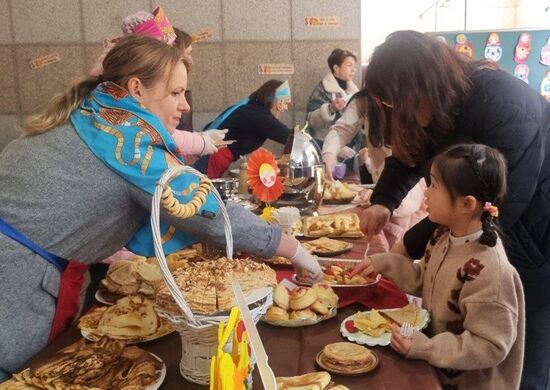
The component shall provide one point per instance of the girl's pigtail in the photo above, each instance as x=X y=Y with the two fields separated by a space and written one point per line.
x=489 y=235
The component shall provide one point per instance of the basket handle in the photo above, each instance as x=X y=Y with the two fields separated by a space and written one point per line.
x=162 y=184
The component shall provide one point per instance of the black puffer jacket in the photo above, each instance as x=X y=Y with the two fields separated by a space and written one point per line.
x=506 y=114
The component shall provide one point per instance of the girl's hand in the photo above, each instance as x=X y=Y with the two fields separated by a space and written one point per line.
x=400 y=343
x=365 y=268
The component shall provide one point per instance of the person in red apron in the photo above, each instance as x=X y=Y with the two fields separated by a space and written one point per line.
x=82 y=188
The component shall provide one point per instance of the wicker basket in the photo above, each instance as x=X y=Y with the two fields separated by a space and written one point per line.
x=199 y=333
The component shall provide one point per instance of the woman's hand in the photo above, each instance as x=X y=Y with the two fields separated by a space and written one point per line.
x=330 y=163
x=365 y=268
x=374 y=219
x=400 y=343
x=209 y=147
x=306 y=266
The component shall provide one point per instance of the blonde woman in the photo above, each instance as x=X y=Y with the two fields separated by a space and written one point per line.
x=79 y=186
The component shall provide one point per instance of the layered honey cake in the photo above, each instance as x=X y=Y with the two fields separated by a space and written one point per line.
x=206 y=286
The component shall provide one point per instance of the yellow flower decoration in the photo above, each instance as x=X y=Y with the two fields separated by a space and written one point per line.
x=267 y=214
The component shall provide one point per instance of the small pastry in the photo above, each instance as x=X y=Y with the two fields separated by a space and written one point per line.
x=281 y=297
x=275 y=313
x=319 y=307
x=301 y=298
x=325 y=294
x=305 y=314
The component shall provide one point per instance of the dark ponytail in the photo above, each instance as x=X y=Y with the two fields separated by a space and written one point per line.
x=489 y=235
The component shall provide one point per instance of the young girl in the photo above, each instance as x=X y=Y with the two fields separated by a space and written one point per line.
x=476 y=333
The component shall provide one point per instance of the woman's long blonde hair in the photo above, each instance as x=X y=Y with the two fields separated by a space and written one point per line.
x=138 y=56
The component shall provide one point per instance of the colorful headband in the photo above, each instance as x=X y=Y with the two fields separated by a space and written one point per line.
x=282 y=94
x=155 y=25
x=492 y=210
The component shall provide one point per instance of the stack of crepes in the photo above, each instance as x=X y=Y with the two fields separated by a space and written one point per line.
x=107 y=364
x=231 y=371
x=346 y=357
x=320 y=380
x=376 y=322
x=132 y=319
x=130 y=277
x=142 y=275
x=206 y=285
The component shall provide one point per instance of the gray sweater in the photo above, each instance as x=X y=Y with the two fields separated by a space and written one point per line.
x=55 y=191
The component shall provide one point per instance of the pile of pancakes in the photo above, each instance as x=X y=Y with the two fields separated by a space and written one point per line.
x=142 y=275
x=302 y=303
x=107 y=364
x=130 y=277
x=325 y=245
x=346 y=358
x=320 y=380
x=132 y=319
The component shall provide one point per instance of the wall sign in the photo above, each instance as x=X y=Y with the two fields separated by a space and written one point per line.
x=322 y=21
x=43 y=61
x=276 y=69
x=201 y=36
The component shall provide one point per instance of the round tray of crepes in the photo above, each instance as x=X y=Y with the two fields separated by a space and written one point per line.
x=325 y=246
x=106 y=364
x=347 y=358
x=132 y=319
x=373 y=327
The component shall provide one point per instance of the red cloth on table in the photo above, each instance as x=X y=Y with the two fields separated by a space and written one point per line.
x=219 y=162
x=68 y=297
x=385 y=296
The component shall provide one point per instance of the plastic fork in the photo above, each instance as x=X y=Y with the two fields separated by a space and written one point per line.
x=406 y=330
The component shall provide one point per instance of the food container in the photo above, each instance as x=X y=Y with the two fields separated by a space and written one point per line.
x=301 y=169
x=226 y=186
x=346 y=292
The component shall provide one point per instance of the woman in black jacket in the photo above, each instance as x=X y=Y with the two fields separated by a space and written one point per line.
x=250 y=123
x=422 y=96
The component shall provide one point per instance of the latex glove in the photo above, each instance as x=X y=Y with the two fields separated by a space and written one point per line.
x=209 y=146
x=215 y=134
x=346 y=153
x=374 y=219
x=330 y=163
x=305 y=263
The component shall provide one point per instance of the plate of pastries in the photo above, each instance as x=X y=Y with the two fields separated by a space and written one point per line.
x=337 y=192
x=320 y=380
x=325 y=246
x=347 y=358
x=132 y=319
x=373 y=327
x=140 y=275
x=106 y=364
x=301 y=306
x=344 y=225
